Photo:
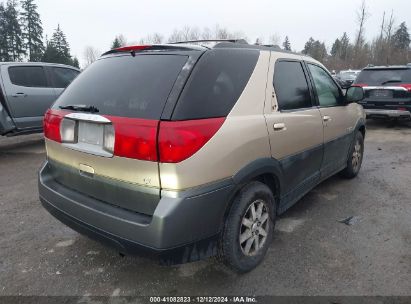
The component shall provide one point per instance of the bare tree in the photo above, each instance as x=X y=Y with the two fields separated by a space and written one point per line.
x=221 y=32
x=274 y=39
x=382 y=26
x=90 y=55
x=362 y=16
x=176 y=36
x=190 y=33
x=155 y=38
x=206 y=34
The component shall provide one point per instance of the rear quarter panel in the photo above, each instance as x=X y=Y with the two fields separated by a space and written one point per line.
x=241 y=139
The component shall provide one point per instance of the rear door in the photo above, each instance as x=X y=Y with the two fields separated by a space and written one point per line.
x=28 y=94
x=61 y=77
x=295 y=127
x=338 y=119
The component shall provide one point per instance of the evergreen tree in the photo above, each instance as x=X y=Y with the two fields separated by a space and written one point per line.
x=32 y=30
x=287 y=44
x=315 y=49
x=116 y=43
x=75 y=63
x=57 y=49
x=50 y=53
x=336 y=48
x=345 y=46
x=4 y=44
x=119 y=41
x=401 y=39
x=13 y=32
x=308 y=46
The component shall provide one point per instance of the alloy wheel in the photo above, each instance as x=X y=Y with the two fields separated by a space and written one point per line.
x=254 y=228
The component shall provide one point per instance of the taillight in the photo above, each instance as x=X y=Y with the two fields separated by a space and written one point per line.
x=133 y=138
x=178 y=140
x=133 y=48
x=407 y=86
x=51 y=124
x=361 y=85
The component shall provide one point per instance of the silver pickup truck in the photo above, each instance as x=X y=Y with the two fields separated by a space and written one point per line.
x=27 y=90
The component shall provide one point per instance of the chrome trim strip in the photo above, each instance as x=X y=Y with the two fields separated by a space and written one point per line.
x=88 y=117
x=390 y=113
x=385 y=88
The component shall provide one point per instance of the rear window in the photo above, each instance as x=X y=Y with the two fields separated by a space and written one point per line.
x=126 y=86
x=216 y=83
x=28 y=76
x=384 y=76
x=62 y=77
x=348 y=75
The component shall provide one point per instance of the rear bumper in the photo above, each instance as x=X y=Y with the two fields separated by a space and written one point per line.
x=382 y=113
x=184 y=227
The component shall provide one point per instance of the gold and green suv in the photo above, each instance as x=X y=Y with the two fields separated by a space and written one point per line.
x=185 y=151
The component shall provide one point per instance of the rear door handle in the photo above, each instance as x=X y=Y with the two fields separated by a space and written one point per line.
x=279 y=126
x=20 y=95
x=327 y=118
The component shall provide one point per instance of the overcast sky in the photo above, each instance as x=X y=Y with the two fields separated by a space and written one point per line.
x=97 y=22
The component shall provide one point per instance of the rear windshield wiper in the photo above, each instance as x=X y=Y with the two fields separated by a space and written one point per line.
x=391 y=80
x=84 y=108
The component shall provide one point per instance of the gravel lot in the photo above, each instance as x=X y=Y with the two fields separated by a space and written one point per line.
x=312 y=253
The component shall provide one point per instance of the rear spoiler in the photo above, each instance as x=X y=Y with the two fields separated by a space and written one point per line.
x=155 y=47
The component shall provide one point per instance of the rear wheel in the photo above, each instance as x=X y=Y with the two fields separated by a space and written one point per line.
x=249 y=227
x=355 y=157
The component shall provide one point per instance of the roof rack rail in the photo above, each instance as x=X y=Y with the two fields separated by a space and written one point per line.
x=274 y=46
x=212 y=40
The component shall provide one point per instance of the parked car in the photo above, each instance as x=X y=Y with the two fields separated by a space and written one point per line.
x=183 y=152
x=387 y=91
x=346 y=78
x=27 y=90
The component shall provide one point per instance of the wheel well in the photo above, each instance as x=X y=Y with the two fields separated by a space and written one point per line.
x=271 y=181
x=362 y=130
x=268 y=179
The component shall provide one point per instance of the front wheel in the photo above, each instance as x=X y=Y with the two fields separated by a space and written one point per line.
x=355 y=157
x=248 y=228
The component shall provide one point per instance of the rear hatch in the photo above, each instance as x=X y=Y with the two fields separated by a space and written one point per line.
x=101 y=133
x=386 y=88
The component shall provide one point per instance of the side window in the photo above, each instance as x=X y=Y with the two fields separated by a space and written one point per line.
x=291 y=86
x=216 y=83
x=28 y=76
x=327 y=91
x=63 y=77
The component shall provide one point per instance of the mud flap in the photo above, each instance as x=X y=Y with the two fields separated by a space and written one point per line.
x=6 y=123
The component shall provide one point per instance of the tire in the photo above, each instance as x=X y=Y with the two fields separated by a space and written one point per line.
x=243 y=257
x=355 y=157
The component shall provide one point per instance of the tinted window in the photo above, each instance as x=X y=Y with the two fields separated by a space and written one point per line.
x=216 y=83
x=291 y=86
x=327 y=91
x=348 y=75
x=125 y=85
x=63 y=77
x=28 y=76
x=376 y=77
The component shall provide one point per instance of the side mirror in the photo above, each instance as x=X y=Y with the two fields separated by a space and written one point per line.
x=354 y=94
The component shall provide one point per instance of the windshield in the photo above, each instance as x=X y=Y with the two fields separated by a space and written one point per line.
x=384 y=77
x=126 y=86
